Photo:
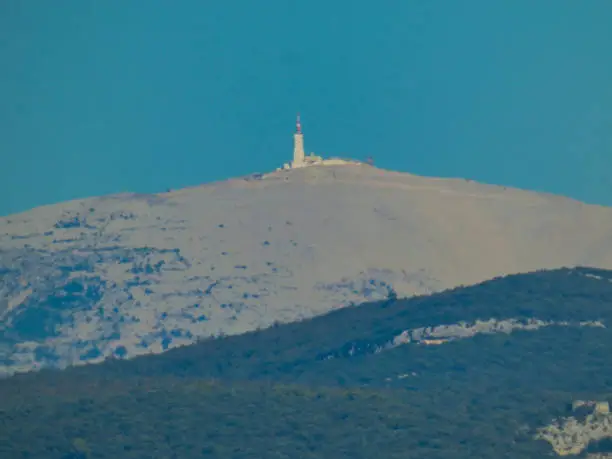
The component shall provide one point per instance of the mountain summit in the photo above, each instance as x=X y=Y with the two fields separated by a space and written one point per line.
x=130 y=274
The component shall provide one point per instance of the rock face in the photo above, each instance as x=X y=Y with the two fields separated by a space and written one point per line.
x=570 y=436
x=441 y=334
x=130 y=274
x=445 y=333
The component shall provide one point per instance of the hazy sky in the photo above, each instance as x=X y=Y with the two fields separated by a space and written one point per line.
x=99 y=97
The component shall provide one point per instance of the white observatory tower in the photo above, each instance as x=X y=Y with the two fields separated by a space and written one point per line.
x=298 y=145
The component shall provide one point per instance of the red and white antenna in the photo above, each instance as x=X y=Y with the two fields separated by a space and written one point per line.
x=298 y=125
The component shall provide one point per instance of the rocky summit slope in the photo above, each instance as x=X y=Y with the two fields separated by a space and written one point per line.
x=130 y=274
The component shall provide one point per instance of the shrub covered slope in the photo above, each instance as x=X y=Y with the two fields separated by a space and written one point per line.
x=333 y=387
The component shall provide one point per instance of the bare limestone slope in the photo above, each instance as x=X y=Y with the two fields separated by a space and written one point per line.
x=130 y=274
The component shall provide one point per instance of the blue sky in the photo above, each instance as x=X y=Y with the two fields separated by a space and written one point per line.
x=123 y=95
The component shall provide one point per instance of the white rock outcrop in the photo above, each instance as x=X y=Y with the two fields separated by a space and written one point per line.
x=569 y=436
x=440 y=334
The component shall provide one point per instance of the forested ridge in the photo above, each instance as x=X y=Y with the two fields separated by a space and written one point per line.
x=274 y=393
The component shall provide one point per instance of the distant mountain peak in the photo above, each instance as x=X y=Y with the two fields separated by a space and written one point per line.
x=88 y=278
